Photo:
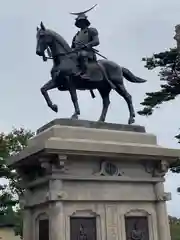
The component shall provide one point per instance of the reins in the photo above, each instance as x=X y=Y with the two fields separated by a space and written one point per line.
x=60 y=54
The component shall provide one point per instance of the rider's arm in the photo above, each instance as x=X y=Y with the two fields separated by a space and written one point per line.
x=94 y=36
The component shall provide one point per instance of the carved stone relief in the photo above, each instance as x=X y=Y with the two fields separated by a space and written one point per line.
x=58 y=162
x=137 y=228
x=82 y=228
x=109 y=169
x=83 y=225
x=157 y=169
x=139 y=224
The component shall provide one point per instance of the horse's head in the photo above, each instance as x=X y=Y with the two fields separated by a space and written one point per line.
x=43 y=40
x=50 y=40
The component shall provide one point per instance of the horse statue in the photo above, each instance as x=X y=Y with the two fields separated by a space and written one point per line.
x=104 y=75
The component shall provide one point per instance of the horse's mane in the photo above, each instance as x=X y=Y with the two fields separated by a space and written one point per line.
x=60 y=39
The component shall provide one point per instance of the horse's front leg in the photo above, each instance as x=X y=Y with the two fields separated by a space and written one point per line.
x=74 y=98
x=44 y=90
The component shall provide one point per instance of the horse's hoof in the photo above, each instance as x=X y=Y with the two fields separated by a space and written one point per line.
x=131 y=121
x=74 y=117
x=100 y=120
x=54 y=108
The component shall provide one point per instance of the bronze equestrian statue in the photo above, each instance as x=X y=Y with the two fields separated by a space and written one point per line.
x=77 y=68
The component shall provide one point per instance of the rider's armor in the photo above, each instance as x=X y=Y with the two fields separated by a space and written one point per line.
x=83 y=41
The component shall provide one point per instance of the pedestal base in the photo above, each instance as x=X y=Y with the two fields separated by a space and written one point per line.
x=86 y=180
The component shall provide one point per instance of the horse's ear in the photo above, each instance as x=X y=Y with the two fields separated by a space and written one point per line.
x=42 y=26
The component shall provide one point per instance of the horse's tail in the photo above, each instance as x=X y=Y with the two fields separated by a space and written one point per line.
x=131 y=77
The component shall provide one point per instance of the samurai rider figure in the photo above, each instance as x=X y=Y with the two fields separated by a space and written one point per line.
x=82 y=234
x=84 y=40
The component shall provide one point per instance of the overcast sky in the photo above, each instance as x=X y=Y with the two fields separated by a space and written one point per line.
x=129 y=30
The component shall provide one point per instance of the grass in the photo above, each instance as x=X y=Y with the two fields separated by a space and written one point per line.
x=175 y=231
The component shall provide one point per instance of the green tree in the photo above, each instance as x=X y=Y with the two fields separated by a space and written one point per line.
x=170 y=76
x=11 y=144
x=169 y=73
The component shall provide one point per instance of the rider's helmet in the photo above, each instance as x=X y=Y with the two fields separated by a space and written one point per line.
x=81 y=17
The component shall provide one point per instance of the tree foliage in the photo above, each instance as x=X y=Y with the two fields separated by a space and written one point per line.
x=11 y=144
x=169 y=72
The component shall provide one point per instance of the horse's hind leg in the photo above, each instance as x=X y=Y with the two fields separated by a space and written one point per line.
x=44 y=90
x=104 y=92
x=121 y=90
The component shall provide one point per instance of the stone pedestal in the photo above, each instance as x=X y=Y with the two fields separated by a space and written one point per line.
x=97 y=181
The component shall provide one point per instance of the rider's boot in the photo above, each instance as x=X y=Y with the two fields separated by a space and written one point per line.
x=84 y=67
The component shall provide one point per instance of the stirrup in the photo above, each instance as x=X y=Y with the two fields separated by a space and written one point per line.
x=77 y=74
x=85 y=76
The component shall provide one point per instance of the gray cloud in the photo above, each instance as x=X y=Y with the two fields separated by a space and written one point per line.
x=128 y=30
